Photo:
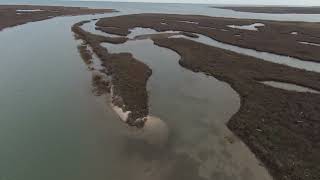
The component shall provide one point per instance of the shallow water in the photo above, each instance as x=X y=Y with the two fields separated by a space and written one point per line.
x=53 y=127
x=196 y=108
x=143 y=33
x=91 y=28
x=289 y=87
x=279 y=59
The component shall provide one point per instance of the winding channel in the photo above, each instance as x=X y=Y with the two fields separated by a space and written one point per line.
x=270 y=57
x=52 y=127
x=196 y=109
x=279 y=59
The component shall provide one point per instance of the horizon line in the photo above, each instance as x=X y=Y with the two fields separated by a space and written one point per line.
x=219 y=4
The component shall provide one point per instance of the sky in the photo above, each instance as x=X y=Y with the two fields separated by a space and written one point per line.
x=260 y=2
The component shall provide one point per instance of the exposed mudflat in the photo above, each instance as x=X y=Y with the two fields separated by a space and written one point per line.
x=13 y=15
x=279 y=126
x=275 y=9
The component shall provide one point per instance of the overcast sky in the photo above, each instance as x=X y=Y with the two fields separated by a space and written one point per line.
x=262 y=2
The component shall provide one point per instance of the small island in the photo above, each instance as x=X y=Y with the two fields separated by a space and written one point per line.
x=280 y=126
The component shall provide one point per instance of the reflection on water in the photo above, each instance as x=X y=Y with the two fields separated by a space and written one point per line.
x=52 y=127
x=195 y=107
x=288 y=86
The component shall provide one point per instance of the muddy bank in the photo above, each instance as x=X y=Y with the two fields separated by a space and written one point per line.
x=85 y=54
x=13 y=15
x=281 y=127
x=128 y=76
x=283 y=38
x=275 y=9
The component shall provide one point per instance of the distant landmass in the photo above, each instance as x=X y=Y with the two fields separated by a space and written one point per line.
x=274 y=9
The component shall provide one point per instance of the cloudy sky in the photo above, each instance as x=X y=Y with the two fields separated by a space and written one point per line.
x=264 y=2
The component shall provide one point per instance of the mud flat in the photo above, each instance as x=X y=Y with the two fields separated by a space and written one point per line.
x=13 y=15
x=279 y=126
x=281 y=38
x=275 y=9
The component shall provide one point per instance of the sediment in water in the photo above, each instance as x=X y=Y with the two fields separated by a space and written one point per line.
x=128 y=77
x=280 y=127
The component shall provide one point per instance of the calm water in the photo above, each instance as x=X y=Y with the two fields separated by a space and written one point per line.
x=196 y=108
x=279 y=59
x=52 y=127
x=201 y=9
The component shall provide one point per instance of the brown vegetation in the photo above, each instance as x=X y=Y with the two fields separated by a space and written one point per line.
x=85 y=54
x=128 y=75
x=274 y=37
x=281 y=127
x=10 y=17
